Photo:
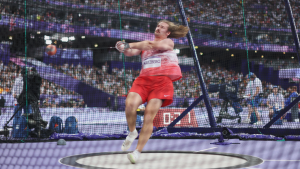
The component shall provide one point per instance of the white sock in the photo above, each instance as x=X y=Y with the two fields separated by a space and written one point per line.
x=136 y=153
x=133 y=134
x=134 y=131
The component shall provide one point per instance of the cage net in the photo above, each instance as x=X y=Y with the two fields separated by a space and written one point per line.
x=66 y=48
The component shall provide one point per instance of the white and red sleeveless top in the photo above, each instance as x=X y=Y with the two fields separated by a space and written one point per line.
x=160 y=63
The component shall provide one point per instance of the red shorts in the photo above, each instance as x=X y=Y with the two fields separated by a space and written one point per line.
x=154 y=87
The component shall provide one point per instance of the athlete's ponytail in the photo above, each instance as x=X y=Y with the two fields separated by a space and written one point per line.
x=177 y=31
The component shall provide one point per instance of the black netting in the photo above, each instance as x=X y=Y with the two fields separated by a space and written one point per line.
x=66 y=48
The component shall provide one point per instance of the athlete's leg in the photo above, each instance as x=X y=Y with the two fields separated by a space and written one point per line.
x=132 y=102
x=151 y=110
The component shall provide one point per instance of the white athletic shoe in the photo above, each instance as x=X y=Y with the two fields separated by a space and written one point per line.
x=129 y=140
x=246 y=121
x=258 y=123
x=133 y=157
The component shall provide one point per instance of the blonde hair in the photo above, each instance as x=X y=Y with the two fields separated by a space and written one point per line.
x=177 y=31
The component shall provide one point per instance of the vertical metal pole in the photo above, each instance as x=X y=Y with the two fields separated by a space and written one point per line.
x=198 y=68
x=293 y=27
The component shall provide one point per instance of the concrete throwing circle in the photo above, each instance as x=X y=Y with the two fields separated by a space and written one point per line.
x=162 y=160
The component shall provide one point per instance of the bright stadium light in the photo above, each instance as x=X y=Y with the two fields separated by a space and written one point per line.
x=292 y=57
x=64 y=39
x=96 y=45
x=262 y=56
x=38 y=32
x=284 y=53
x=10 y=37
x=212 y=60
x=48 y=42
x=232 y=55
x=201 y=53
x=82 y=37
x=256 y=51
x=227 y=49
x=177 y=51
x=71 y=38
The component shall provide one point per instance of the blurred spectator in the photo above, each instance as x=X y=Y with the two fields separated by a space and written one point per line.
x=185 y=102
x=253 y=91
x=275 y=102
x=82 y=104
x=108 y=103
x=2 y=102
x=293 y=93
x=63 y=103
x=16 y=92
x=115 y=107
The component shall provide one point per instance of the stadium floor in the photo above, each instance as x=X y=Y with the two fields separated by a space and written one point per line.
x=46 y=155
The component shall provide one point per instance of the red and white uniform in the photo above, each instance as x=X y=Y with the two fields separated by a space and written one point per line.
x=159 y=70
x=160 y=63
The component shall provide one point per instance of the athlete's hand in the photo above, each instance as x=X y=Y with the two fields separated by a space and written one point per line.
x=120 y=46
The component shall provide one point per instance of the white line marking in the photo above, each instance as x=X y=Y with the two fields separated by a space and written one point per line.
x=207 y=149
x=281 y=160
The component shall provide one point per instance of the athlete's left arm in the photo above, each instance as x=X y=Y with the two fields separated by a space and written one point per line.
x=166 y=44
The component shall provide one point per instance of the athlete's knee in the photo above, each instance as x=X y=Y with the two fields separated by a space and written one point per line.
x=151 y=109
x=148 y=119
x=130 y=105
x=149 y=115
